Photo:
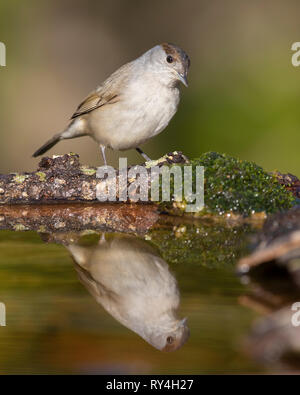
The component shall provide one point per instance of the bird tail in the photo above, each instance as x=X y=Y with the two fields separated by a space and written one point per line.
x=75 y=129
x=49 y=144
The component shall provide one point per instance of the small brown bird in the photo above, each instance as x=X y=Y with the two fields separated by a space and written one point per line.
x=132 y=105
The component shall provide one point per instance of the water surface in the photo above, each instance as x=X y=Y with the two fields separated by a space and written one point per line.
x=55 y=324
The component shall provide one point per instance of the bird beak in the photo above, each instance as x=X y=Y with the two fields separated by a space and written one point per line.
x=183 y=78
x=183 y=322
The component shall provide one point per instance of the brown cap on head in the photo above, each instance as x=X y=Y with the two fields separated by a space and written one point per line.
x=177 y=53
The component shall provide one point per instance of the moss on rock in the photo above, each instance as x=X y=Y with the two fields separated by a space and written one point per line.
x=240 y=186
x=237 y=186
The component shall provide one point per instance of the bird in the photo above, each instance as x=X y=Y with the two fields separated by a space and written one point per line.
x=134 y=284
x=133 y=104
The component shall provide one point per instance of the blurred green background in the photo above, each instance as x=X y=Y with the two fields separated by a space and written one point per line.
x=244 y=93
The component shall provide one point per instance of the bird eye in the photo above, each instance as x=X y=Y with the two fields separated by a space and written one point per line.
x=170 y=339
x=170 y=59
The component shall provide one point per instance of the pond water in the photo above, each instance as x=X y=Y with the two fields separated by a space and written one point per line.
x=114 y=303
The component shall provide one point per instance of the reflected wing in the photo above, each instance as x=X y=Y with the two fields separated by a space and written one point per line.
x=95 y=288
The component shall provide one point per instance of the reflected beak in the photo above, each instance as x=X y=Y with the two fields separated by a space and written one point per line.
x=183 y=78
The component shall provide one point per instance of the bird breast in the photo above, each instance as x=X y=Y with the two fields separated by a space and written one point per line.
x=144 y=109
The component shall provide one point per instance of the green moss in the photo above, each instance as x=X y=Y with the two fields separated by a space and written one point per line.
x=87 y=170
x=152 y=163
x=42 y=175
x=42 y=229
x=209 y=244
x=19 y=227
x=241 y=187
x=18 y=178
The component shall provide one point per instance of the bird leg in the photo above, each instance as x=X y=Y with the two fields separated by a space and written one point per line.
x=103 y=153
x=146 y=157
x=102 y=239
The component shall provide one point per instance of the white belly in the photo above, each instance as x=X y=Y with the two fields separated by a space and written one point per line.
x=139 y=115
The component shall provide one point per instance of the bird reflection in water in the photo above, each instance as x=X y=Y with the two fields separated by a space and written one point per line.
x=133 y=284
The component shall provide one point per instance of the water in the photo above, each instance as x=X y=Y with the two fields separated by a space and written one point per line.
x=58 y=324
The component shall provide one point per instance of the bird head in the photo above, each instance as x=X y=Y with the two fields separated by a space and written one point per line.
x=170 y=340
x=171 y=62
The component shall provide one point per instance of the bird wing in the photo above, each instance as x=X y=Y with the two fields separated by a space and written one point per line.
x=93 y=101
x=107 y=93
